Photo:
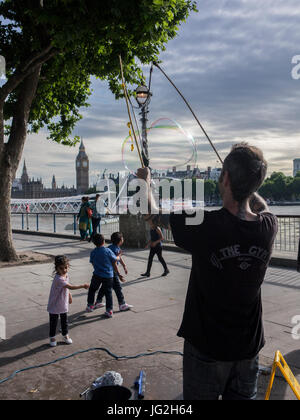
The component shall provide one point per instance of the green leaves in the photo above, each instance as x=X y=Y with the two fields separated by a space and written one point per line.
x=281 y=187
x=89 y=35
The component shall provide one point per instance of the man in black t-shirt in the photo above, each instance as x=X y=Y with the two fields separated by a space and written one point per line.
x=222 y=321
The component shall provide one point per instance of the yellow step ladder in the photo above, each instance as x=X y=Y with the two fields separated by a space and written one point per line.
x=280 y=363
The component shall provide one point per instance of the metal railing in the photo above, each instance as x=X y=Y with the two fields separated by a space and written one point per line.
x=60 y=223
x=288 y=235
x=287 y=238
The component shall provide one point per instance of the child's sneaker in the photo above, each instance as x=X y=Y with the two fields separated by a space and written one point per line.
x=90 y=308
x=99 y=305
x=108 y=314
x=125 y=307
x=67 y=340
x=53 y=342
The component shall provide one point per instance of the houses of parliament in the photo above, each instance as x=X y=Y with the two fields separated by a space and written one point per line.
x=25 y=187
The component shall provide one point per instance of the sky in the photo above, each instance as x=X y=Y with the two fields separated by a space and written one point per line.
x=232 y=61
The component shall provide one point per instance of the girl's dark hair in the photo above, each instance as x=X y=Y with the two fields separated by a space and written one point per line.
x=155 y=221
x=116 y=238
x=60 y=260
x=98 y=240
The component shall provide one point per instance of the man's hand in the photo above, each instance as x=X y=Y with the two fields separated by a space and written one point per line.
x=145 y=174
x=122 y=279
x=154 y=212
x=86 y=286
x=258 y=204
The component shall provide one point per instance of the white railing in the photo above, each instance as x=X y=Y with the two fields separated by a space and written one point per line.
x=47 y=205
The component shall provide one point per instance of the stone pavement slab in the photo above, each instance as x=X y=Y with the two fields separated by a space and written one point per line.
x=151 y=325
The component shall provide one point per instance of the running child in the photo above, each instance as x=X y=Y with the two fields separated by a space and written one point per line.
x=104 y=262
x=60 y=298
x=156 y=248
x=117 y=241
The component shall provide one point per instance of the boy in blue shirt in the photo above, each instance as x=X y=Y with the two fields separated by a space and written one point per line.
x=104 y=262
x=117 y=241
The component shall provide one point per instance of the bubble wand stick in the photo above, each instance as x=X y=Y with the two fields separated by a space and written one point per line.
x=190 y=108
x=128 y=110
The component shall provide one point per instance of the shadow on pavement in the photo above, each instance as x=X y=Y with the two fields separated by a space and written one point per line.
x=140 y=280
x=39 y=333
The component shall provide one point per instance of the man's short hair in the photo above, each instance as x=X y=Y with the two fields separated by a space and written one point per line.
x=98 y=239
x=246 y=169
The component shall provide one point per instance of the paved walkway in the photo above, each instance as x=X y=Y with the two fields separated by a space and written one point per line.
x=151 y=325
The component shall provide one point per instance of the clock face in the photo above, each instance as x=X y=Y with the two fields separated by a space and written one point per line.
x=78 y=164
x=85 y=164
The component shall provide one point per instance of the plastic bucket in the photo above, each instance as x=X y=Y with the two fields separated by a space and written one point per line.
x=110 y=393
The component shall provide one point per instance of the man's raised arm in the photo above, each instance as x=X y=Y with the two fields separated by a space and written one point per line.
x=154 y=213
x=258 y=204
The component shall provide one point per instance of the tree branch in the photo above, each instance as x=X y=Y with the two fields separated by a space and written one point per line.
x=20 y=74
x=18 y=133
x=1 y=129
x=35 y=57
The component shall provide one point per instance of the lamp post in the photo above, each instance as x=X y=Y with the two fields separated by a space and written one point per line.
x=143 y=98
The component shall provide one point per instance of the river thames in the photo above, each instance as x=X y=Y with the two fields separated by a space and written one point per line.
x=286 y=240
x=278 y=210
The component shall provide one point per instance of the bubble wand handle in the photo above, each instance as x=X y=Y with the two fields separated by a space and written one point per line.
x=128 y=110
x=140 y=385
x=190 y=108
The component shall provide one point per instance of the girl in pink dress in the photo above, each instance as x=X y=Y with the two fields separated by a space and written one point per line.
x=60 y=298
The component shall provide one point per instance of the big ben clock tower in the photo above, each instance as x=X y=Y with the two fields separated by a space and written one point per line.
x=82 y=170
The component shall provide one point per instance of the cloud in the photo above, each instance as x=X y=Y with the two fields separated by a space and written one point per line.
x=232 y=61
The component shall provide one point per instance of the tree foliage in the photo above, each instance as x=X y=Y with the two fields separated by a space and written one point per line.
x=278 y=187
x=77 y=39
x=210 y=189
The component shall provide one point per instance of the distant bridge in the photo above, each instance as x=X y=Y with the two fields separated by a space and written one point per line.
x=61 y=205
x=47 y=205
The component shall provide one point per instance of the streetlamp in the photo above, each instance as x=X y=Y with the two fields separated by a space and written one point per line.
x=143 y=98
